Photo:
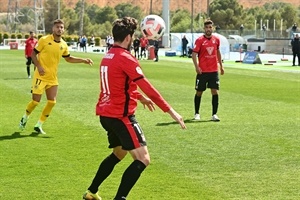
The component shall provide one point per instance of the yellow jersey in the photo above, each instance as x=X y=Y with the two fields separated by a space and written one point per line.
x=49 y=55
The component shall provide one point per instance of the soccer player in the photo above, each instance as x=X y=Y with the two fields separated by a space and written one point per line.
x=49 y=49
x=207 y=59
x=120 y=75
x=144 y=43
x=29 y=46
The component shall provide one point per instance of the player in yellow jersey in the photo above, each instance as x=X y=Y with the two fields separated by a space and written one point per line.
x=46 y=56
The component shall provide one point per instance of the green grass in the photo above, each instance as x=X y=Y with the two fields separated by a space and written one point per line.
x=253 y=153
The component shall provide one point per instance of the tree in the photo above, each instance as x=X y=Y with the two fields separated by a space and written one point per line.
x=127 y=9
x=106 y=14
x=180 y=21
x=228 y=14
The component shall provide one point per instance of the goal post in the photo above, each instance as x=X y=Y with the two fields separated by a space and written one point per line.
x=21 y=42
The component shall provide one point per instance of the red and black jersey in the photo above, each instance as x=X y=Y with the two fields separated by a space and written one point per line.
x=29 y=46
x=207 y=48
x=120 y=76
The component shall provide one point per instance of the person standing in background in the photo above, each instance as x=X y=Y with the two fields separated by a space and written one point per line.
x=144 y=43
x=296 y=49
x=207 y=61
x=136 y=47
x=156 y=48
x=184 y=43
x=29 y=46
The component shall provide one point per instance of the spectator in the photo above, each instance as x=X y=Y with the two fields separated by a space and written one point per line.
x=296 y=49
x=184 y=43
x=136 y=47
x=241 y=29
x=92 y=41
x=264 y=28
x=83 y=43
x=218 y=28
x=294 y=28
x=156 y=48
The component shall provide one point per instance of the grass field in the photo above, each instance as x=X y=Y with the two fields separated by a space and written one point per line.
x=253 y=153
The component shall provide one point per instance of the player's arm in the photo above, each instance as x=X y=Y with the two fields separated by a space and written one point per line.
x=72 y=59
x=155 y=96
x=195 y=61
x=220 y=61
x=40 y=68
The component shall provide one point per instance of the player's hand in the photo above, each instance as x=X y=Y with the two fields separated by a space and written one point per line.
x=147 y=102
x=88 y=61
x=41 y=71
x=177 y=118
x=198 y=70
x=222 y=70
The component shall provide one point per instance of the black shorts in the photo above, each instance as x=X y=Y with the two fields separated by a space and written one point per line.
x=207 y=80
x=125 y=132
x=29 y=61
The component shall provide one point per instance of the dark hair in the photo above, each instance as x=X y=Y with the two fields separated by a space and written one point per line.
x=123 y=27
x=58 y=21
x=30 y=32
x=207 y=22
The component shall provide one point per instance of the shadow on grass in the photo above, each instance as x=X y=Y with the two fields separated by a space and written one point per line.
x=185 y=121
x=17 y=135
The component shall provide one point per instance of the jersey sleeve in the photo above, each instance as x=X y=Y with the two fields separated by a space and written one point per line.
x=197 y=46
x=40 y=45
x=66 y=53
x=153 y=94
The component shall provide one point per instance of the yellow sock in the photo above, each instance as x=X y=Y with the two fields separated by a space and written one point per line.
x=47 y=110
x=31 y=106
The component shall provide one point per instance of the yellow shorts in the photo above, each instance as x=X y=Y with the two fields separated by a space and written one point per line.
x=39 y=86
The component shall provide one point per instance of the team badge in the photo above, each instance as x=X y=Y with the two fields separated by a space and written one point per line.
x=210 y=50
x=139 y=70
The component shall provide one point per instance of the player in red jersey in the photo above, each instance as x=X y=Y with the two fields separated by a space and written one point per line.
x=29 y=46
x=207 y=59
x=120 y=77
x=144 y=43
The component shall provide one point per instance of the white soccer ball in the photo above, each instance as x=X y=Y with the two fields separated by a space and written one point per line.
x=153 y=27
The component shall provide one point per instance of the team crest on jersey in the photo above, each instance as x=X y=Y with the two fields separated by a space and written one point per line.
x=210 y=50
x=61 y=48
x=139 y=70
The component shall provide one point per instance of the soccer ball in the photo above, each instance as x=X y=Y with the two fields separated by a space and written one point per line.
x=153 y=27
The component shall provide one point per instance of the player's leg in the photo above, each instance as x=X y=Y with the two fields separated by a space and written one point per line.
x=298 y=55
x=28 y=66
x=135 y=142
x=51 y=92
x=111 y=125
x=200 y=87
x=213 y=84
x=38 y=87
x=294 y=58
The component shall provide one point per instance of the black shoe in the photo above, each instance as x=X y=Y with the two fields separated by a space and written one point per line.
x=293 y=65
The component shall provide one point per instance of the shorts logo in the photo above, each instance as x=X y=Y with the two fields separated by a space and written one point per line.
x=210 y=50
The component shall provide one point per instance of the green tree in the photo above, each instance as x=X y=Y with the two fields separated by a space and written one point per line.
x=106 y=14
x=180 y=21
x=127 y=9
x=228 y=14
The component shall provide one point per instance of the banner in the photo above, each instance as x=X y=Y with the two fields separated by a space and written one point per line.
x=251 y=57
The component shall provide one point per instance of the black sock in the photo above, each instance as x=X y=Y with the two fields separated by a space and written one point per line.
x=215 y=104
x=28 y=70
x=197 y=101
x=129 y=178
x=105 y=168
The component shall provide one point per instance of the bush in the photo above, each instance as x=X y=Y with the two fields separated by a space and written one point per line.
x=26 y=36
x=19 y=35
x=5 y=36
x=40 y=35
x=1 y=38
x=13 y=36
x=97 y=41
